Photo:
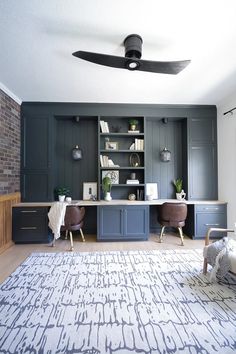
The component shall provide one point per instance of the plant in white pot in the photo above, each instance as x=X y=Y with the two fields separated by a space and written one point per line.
x=133 y=124
x=106 y=187
x=62 y=192
x=178 y=183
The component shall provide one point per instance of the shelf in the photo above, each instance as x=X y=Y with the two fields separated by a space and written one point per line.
x=128 y=185
x=121 y=168
x=130 y=151
x=122 y=134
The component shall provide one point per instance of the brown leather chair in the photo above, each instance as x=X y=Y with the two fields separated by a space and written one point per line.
x=74 y=221
x=173 y=215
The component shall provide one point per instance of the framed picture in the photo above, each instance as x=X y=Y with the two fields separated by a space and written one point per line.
x=111 y=145
x=151 y=191
x=89 y=190
x=114 y=176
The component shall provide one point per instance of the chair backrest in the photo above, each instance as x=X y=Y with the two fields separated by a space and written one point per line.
x=172 y=212
x=74 y=215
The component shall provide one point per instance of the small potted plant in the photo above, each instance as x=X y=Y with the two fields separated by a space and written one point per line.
x=133 y=123
x=62 y=192
x=178 y=183
x=106 y=187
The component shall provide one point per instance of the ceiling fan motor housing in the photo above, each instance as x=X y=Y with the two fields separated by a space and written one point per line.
x=133 y=46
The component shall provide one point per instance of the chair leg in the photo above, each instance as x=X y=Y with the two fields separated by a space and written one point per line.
x=82 y=235
x=181 y=235
x=71 y=241
x=161 y=234
x=53 y=241
x=66 y=235
x=205 y=266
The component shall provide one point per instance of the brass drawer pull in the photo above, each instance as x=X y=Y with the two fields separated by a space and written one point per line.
x=212 y=224
x=28 y=211
x=29 y=228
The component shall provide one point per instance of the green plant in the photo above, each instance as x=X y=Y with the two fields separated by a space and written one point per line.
x=178 y=183
x=106 y=185
x=62 y=191
x=133 y=121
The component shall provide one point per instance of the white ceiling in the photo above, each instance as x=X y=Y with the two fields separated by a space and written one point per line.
x=37 y=39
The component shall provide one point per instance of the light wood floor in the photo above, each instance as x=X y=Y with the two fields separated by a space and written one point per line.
x=15 y=255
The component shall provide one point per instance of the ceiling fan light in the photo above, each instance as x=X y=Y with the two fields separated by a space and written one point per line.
x=132 y=64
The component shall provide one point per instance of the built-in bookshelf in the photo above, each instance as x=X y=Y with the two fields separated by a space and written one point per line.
x=122 y=156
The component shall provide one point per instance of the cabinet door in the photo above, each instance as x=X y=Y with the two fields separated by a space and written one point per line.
x=202 y=172
x=136 y=222
x=110 y=220
x=202 y=131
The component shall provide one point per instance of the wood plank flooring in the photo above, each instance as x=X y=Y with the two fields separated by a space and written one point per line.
x=15 y=255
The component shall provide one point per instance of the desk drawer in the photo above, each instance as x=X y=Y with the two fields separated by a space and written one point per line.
x=208 y=220
x=211 y=208
x=30 y=225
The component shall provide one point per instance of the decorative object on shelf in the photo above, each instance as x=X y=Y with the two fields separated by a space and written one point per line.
x=165 y=155
x=106 y=187
x=116 y=129
x=151 y=191
x=132 y=196
x=113 y=175
x=132 y=124
x=89 y=190
x=133 y=175
x=68 y=199
x=180 y=194
x=77 y=153
x=62 y=193
x=134 y=160
x=111 y=145
x=139 y=194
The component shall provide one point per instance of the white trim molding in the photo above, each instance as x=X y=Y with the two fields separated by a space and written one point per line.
x=10 y=94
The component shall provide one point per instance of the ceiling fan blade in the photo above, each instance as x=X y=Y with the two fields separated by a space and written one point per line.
x=162 y=67
x=102 y=59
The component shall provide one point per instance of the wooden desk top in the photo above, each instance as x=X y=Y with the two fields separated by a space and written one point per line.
x=118 y=202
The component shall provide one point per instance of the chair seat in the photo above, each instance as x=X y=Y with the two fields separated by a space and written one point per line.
x=172 y=223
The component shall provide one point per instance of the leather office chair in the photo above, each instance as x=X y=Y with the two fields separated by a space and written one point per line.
x=173 y=215
x=74 y=221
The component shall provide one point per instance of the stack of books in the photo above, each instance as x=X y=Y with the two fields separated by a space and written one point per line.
x=132 y=181
x=104 y=126
x=106 y=162
x=137 y=145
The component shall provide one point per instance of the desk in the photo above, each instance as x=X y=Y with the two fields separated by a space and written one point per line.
x=118 y=219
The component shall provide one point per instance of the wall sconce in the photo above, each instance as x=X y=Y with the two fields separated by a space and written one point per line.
x=165 y=155
x=76 y=153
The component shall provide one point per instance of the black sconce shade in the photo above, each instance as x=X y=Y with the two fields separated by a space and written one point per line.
x=77 y=153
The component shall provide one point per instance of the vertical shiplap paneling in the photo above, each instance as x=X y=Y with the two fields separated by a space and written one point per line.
x=158 y=136
x=72 y=173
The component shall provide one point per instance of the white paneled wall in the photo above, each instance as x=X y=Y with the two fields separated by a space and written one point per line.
x=227 y=156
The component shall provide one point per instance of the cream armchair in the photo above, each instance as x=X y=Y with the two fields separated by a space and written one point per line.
x=232 y=255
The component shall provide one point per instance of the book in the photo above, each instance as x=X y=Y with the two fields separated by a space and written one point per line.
x=134 y=131
x=132 y=181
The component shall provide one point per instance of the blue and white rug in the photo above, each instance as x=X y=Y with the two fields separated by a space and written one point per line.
x=145 y=302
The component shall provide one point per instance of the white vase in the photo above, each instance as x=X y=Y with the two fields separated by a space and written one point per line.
x=61 y=198
x=108 y=196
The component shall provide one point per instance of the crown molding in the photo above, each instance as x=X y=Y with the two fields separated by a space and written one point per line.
x=10 y=94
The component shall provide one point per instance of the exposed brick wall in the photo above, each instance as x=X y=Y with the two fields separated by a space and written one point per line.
x=9 y=144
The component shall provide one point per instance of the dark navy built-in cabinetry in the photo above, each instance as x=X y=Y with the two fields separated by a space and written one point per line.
x=124 y=222
x=51 y=130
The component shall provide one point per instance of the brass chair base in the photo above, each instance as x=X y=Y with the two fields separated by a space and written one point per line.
x=180 y=233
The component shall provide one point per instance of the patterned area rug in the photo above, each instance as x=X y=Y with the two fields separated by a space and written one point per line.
x=116 y=302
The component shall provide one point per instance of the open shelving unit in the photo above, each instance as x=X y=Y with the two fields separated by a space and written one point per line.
x=122 y=153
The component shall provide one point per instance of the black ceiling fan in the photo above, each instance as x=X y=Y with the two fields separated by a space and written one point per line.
x=132 y=61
